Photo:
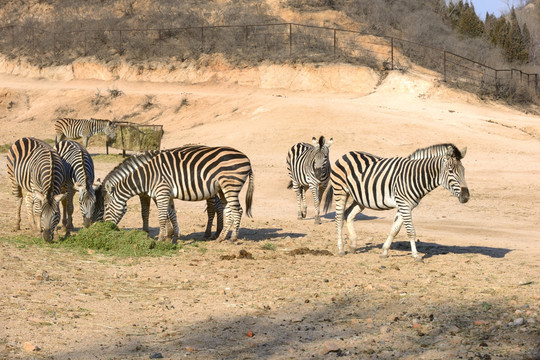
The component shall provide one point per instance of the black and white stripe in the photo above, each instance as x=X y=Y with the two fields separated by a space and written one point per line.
x=386 y=183
x=79 y=177
x=68 y=128
x=36 y=167
x=309 y=168
x=191 y=173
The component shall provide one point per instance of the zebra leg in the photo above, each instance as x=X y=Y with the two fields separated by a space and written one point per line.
x=233 y=212
x=350 y=214
x=341 y=201
x=145 y=210
x=211 y=212
x=86 y=138
x=218 y=207
x=315 y=191
x=172 y=224
x=396 y=226
x=31 y=210
x=163 y=205
x=18 y=214
x=67 y=211
x=300 y=200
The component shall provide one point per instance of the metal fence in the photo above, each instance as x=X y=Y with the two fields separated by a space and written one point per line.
x=276 y=42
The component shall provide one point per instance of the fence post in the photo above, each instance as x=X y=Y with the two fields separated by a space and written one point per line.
x=202 y=39
x=290 y=39
x=245 y=39
x=444 y=66
x=335 y=42
x=392 y=53
x=120 y=42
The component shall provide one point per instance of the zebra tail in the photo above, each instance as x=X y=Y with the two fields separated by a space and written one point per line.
x=290 y=185
x=328 y=199
x=249 y=194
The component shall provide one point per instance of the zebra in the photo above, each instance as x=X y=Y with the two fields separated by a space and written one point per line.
x=214 y=205
x=309 y=168
x=36 y=167
x=385 y=183
x=68 y=128
x=189 y=173
x=79 y=177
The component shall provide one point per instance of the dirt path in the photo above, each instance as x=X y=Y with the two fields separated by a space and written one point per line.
x=477 y=294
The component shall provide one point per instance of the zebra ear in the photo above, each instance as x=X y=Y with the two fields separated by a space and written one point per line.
x=450 y=152
x=314 y=140
x=39 y=196
x=329 y=143
x=108 y=187
x=78 y=186
x=463 y=152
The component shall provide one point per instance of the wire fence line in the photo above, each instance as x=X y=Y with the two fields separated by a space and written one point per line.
x=277 y=42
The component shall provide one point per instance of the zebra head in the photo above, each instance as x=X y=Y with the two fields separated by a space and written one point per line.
x=50 y=214
x=87 y=201
x=453 y=173
x=321 y=164
x=114 y=207
x=110 y=131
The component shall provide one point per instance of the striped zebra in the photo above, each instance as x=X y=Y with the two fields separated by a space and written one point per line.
x=79 y=177
x=309 y=168
x=68 y=128
x=36 y=167
x=386 y=183
x=190 y=173
x=131 y=164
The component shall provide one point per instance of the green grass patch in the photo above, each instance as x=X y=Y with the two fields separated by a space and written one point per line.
x=4 y=148
x=269 y=246
x=104 y=238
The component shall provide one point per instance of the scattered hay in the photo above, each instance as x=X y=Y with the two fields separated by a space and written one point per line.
x=243 y=254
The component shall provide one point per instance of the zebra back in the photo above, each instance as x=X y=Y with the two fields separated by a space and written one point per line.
x=436 y=150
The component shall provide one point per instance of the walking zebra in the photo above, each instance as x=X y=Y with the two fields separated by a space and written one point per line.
x=309 y=168
x=131 y=164
x=190 y=173
x=36 y=167
x=79 y=177
x=386 y=183
x=67 y=128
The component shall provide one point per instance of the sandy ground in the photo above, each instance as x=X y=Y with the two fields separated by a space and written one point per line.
x=475 y=296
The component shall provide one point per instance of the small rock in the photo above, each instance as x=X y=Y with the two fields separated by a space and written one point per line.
x=479 y=322
x=27 y=346
x=249 y=333
x=330 y=346
x=518 y=322
x=531 y=321
x=190 y=349
x=156 y=356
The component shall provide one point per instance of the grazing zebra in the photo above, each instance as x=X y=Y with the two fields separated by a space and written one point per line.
x=79 y=177
x=309 y=168
x=191 y=173
x=67 y=128
x=36 y=167
x=386 y=183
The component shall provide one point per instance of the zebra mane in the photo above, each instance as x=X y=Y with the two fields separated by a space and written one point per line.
x=128 y=165
x=434 y=150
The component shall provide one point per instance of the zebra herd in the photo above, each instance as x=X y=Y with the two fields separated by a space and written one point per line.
x=51 y=176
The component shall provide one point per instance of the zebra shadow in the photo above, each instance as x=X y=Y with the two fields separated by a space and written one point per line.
x=433 y=249
x=361 y=216
x=255 y=235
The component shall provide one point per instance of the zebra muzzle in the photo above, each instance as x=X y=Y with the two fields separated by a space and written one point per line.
x=464 y=195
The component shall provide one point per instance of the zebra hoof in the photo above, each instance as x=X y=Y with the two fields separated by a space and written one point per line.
x=341 y=253
x=419 y=259
x=383 y=255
